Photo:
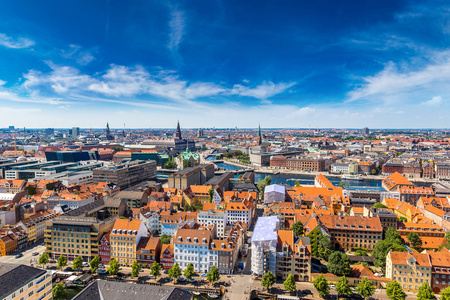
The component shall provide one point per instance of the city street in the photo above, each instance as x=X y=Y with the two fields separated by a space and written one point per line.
x=27 y=258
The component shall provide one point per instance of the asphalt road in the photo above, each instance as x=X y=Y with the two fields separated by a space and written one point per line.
x=27 y=258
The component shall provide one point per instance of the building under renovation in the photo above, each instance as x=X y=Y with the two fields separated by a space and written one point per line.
x=264 y=245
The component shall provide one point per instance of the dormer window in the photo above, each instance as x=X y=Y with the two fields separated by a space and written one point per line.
x=180 y=239
x=204 y=240
x=367 y=227
x=135 y=232
x=130 y=231
x=114 y=231
x=213 y=245
x=119 y=231
x=222 y=245
x=353 y=226
x=188 y=239
x=195 y=240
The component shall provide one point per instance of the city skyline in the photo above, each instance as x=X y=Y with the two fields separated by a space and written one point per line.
x=224 y=64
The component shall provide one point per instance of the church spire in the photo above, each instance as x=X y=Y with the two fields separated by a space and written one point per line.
x=259 y=134
x=178 y=132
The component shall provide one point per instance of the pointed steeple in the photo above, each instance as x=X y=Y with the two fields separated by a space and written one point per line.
x=259 y=134
x=178 y=132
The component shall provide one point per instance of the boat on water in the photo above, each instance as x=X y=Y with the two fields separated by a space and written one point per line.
x=213 y=296
x=195 y=293
x=352 y=177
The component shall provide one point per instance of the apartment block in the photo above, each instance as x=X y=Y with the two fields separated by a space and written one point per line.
x=125 y=237
x=349 y=232
x=293 y=256
x=126 y=174
x=24 y=282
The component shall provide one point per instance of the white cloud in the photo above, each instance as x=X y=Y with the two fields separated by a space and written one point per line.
x=262 y=91
x=76 y=53
x=2 y=82
x=18 y=43
x=176 y=25
x=407 y=84
x=121 y=81
x=435 y=101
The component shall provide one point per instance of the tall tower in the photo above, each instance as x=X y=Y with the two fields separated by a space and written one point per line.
x=178 y=132
x=259 y=134
x=107 y=132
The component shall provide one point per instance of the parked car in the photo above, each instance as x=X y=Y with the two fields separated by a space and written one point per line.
x=52 y=261
x=85 y=264
x=332 y=286
x=19 y=255
x=356 y=296
x=35 y=253
x=101 y=271
x=68 y=269
x=203 y=275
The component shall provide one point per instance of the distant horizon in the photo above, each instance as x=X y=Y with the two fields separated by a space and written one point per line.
x=224 y=128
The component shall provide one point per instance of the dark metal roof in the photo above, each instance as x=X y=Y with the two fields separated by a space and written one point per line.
x=14 y=276
x=113 y=290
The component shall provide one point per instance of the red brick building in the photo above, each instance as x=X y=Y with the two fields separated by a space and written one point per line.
x=428 y=170
x=167 y=256
x=390 y=168
x=148 y=251
x=314 y=165
x=104 y=250
x=278 y=161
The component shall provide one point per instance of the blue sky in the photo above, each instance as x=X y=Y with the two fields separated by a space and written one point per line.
x=381 y=64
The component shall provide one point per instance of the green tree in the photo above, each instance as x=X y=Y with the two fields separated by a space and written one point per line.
x=342 y=287
x=31 y=190
x=113 y=267
x=342 y=184
x=297 y=228
x=189 y=271
x=374 y=172
x=325 y=248
x=210 y=194
x=155 y=269
x=62 y=261
x=297 y=183
x=365 y=288
x=186 y=163
x=415 y=241
x=425 y=292
x=117 y=148
x=321 y=285
x=95 y=262
x=392 y=242
x=268 y=280
x=403 y=219
x=379 y=205
x=289 y=283
x=213 y=274
x=361 y=253
x=165 y=239
x=262 y=185
x=43 y=259
x=445 y=294
x=394 y=291
x=447 y=236
x=175 y=271
x=240 y=176
x=135 y=269
x=77 y=263
x=339 y=264
x=59 y=291
x=228 y=155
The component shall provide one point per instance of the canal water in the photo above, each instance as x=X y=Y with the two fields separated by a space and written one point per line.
x=304 y=179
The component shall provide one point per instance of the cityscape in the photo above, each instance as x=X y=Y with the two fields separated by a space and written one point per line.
x=230 y=150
